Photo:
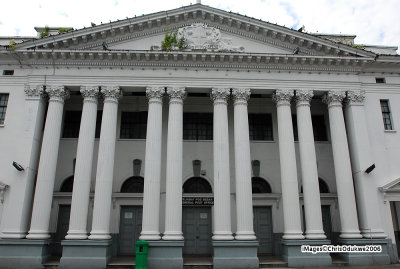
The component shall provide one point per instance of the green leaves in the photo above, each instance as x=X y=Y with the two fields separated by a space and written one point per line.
x=170 y=42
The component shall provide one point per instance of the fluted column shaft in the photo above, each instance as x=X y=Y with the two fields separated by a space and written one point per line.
x=341 y=159
x=222 y=199
x=290 y=191
x=173 y=201
x=48 y=164
x=105 y=165
x=309 y=171
x=19 y=201
x=244 y=202
x=361 y=159
x=83 y=169
x=152 y=174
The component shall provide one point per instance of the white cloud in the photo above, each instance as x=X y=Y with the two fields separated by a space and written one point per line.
x=374 y=22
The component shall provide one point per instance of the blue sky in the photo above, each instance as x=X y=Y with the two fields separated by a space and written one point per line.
x=373 y=21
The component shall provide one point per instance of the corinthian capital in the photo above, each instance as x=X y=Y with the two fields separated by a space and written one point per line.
x=355 y=97
x=220 y=94
x=34 y=92
x=111 y=93
x=90 y=92
x=333 y=98
x=241 y=95
x=57 y=93
x=303 y=97
x=155 y=93
x=283 y=97
x=176 y=93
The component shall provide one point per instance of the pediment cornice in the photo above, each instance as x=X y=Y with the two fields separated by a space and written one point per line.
x=178 y=59
x=131 y=28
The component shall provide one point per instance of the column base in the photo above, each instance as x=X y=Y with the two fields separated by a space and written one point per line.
x=85 y=254
x=13 y=235
x=295 y=258
x=235 y=254
x=365 y=258
x=150 y=236
x=165 y=254
x=23 y=253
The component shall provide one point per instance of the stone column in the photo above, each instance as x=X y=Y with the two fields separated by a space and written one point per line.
x=48 y=164
x=18 y=207
x=83 y=169
x=173 y=198
x=341 y=159
x=361 y=159
x=222 y=199
x=309 y=171
x=152 y=174
x=105 y=165
x=244 y=202
x=290 y=190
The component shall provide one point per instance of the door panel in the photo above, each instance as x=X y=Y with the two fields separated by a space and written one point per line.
x=130 y=228
x=62 y=228
x=197 y=230
x=326 y=221
x=263 y=229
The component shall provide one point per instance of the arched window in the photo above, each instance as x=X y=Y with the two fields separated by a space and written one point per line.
x=197 y=185
x=323 y=187
x=260 y=185
x=67 y=185
x=133 y=185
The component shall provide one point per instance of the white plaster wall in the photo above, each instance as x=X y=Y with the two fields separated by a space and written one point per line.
x=385 y=145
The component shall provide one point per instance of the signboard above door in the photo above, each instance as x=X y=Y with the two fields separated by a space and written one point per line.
x=197 y=201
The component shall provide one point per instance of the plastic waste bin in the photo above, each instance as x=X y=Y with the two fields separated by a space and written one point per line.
x=142 y=248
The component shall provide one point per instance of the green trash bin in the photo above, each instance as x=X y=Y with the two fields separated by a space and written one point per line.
x=142 y=248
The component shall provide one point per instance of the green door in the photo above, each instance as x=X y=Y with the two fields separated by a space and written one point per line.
x=129 y=229
x=263 y=228
x=62 y=228
x=197 y=230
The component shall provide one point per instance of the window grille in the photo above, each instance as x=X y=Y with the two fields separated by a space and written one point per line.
x=260 y=127
x=3 y=106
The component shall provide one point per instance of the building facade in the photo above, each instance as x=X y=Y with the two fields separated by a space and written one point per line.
x=240 y=138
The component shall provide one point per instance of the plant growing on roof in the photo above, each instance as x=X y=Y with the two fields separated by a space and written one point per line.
x=64 y=30
x=170 y=42
x=12 y=44
x=44 y=32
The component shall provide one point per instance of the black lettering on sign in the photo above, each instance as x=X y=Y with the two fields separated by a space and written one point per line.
x=198 y=201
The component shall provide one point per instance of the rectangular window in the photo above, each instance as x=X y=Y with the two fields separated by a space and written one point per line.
x=8 y=72
x=197 y=126
x=380 y=80
x=319 y=128
x=3 y=107
x=387 y=118
x=133 y=125
x=260 y=127
x=72 y=122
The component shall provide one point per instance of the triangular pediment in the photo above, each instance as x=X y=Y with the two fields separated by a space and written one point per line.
x=393 y=186
x=141 y=33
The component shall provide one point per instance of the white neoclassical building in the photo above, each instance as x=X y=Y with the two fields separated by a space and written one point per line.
x=204 y=132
